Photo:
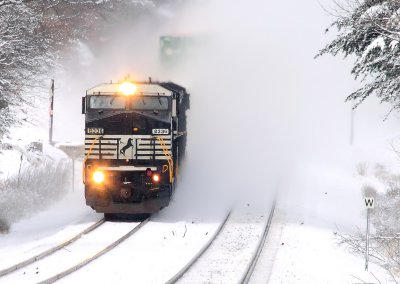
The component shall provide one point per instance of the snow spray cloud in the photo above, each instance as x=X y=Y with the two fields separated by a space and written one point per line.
x=127 y=48
x=259 y=101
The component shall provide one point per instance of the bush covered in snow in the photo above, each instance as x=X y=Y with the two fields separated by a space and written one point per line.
x=384 y=185
x=30 y=182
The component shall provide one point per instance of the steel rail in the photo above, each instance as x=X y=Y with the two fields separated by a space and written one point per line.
x=253 y=261
x=95 y=256
x=50 y=251
x=185 y=269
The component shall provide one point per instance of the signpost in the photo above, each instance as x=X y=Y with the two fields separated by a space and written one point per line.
x=352 y=127
x=51 y=109
x=74 y=152
x=370 y=204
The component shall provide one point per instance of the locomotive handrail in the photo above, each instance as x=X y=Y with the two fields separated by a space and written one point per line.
x=87 y=156
x=180 y=134
x=168 y=155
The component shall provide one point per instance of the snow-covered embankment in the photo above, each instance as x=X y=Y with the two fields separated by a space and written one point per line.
x=30 y=180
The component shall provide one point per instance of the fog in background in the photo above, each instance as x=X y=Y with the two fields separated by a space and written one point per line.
x=260 y=102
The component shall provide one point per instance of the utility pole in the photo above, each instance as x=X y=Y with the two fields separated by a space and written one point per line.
x=352 y=126
x=51 y=108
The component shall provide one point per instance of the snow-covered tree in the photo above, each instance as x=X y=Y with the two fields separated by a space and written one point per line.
x=369 y=30
x=34 y=35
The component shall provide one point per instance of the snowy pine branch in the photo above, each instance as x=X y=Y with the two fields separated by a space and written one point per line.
x=370 y=31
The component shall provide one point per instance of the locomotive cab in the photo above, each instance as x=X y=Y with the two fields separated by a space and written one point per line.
x=135 y=140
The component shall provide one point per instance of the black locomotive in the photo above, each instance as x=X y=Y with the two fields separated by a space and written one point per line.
x=135 y=140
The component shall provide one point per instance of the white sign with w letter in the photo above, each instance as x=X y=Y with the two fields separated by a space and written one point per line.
x=369 y=202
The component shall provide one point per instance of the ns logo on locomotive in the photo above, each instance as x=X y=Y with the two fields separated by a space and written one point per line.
x=135 y=139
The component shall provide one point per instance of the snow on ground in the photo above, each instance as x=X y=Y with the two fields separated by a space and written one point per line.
x=228 y=256
x=155 y=253
x=10 y=161
x=15 y=145
x=40 y=231
x=318 y=199
x=86 y=246
x=33 y=175
x=310 y=254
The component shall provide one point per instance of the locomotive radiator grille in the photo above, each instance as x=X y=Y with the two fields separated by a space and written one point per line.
x=137 y=147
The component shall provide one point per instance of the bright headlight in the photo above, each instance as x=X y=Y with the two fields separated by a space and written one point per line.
x=127 y=88
x=98 y=177
x=156 y=177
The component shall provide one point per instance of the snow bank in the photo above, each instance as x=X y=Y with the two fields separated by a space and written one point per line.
x=30 y=181
x=322 y=199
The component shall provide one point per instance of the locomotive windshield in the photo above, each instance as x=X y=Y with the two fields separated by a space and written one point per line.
x=107 y=102
x=149 y=103
x=136 y=102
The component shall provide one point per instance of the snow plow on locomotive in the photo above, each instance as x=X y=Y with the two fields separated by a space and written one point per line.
x=135 y=140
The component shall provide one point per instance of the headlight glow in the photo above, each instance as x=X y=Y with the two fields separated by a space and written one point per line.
x=98 y=177
x=156 y=177
x=127 y=88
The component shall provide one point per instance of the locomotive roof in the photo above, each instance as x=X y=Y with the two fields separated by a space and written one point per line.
x=141 y=88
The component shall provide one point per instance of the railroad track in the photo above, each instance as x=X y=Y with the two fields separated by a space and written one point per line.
x=247 y=273
x=50 y=251
x=252 y=264
x=186 y=268
x=52 y=266
x=51 y=260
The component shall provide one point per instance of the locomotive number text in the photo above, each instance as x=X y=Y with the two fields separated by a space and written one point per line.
x=95 y=130
x=160 y=131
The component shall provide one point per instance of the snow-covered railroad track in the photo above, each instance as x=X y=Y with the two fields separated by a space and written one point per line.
x=74 y=255
x=180 y=273
x=252 y=264
x=50 y=251
x=232 y=255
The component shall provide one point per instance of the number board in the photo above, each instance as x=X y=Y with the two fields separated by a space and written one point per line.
x=160 y=131
x=95 y=130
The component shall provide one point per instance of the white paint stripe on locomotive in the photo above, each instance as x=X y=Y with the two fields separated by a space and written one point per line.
x=96 y=153
x=126 y=168
x=116 y=136
x=113 y=142
x=150 y=147
x=140 y=144
x=148 y=157
x=141 y=152
x=151 y=158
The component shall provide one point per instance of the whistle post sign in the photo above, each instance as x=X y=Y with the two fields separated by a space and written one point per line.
x=369 y=202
